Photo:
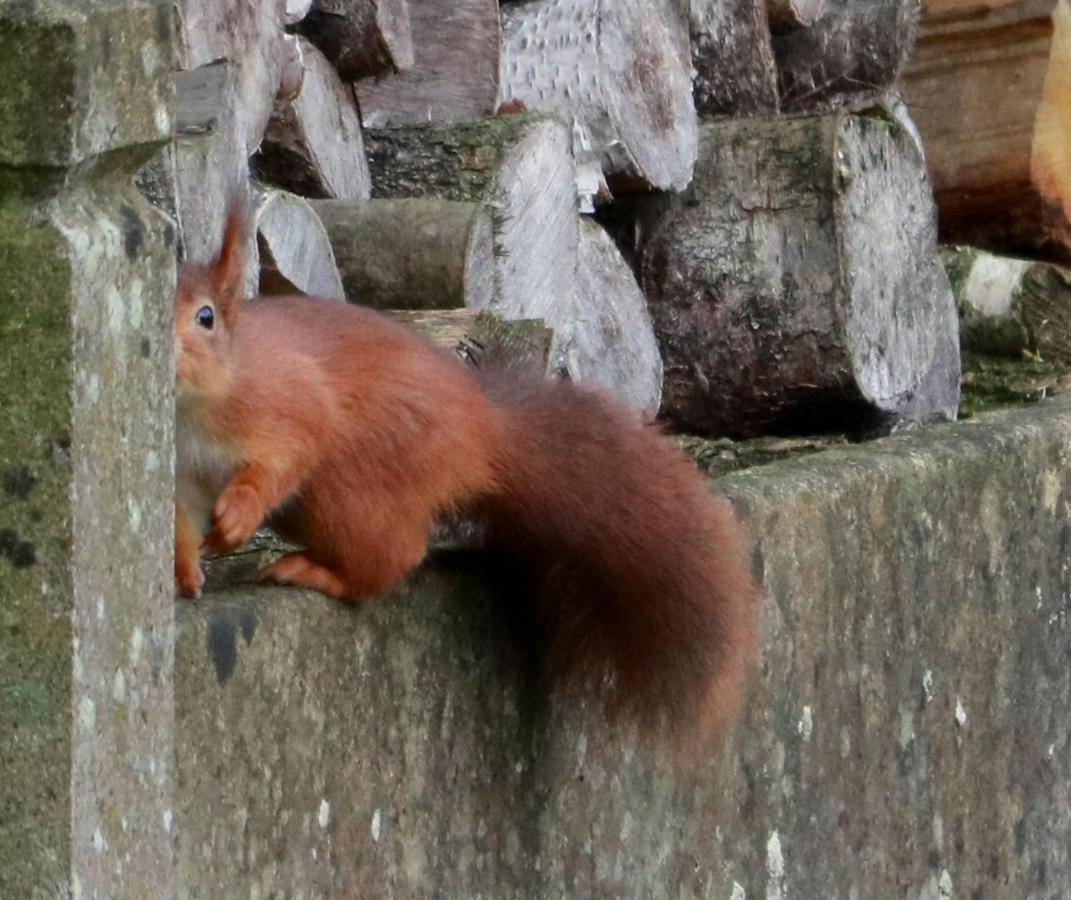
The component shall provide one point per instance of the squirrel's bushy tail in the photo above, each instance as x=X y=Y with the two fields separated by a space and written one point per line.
x=646 y=572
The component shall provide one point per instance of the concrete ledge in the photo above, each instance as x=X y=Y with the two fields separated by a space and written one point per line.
x=908 y=736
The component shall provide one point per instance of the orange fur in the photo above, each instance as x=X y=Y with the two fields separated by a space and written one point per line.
x=350 y=434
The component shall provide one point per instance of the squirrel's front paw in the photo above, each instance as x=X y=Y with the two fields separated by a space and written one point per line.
x=190 y=579
x=236 y=515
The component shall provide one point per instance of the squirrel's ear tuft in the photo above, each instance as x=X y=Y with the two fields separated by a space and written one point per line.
x=229 y=270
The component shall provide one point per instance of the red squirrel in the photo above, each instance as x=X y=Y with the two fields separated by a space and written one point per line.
x=350 y=434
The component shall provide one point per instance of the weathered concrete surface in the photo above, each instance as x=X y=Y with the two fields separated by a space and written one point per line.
x=86 y=615
x=908 y=735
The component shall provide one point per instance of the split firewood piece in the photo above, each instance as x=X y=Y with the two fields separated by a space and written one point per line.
x=521 y=168
x=853 y=51
x=1010 y=307
x=211 y=165
x=797 y=286
x=481 y=338
x=416 y=253
x=621 y=70
x=613 y=341
x=454 y=76
x=250 y=35
x=990 y=88
x=361 y=38
x=293 y=246
x=734 y=66
x=313 y=144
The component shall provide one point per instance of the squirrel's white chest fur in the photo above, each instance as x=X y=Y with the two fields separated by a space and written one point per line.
x=203 y=467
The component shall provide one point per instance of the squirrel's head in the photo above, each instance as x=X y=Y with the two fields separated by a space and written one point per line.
x=207 y=302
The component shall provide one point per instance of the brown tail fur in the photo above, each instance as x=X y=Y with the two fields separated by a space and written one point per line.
x=645 y=572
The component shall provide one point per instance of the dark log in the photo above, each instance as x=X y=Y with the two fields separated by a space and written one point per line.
x=788 y=15
x=313 y=144
x=248 y=34
x=621 y=71
x=733 y=60
x=294 y=249
x=361 y=38
x=613 y=342
x=1011 y=307
x=454 y=76
x=480 y=338
x=855 y=49
x=521 y=168
x=990 y=88
x=417 y=253
x=797 y=287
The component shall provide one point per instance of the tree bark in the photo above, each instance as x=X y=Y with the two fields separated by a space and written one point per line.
x=1000 y=157
x=1011 y=307
x=855 y=50
x=454 y=76
x=417 y=253
x=733 y=60
x=620 y=70
x=796 y=287
x=295 y=252
x=789 y=15
x=613 y=342
x=313 y=144
x=361 y=38
x=520 y=166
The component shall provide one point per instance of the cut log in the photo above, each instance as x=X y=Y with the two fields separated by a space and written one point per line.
x=454 y=76
x=797 y=287
x=313 y=144
x=1011 y=307
x=733 y=61
x=249 y=34
x=521 y=168
x=211 y=167
x=855 y=49
x=788 y=15
x=613 y=342
x=417 y=253
x=621 y=70
x=990 y=89
x=295 y=252
x=480 y=338
x=362 y=38
x=296 y=10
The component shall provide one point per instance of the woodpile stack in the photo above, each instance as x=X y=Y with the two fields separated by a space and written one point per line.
x=763 y=256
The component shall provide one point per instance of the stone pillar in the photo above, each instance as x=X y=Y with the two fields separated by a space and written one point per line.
x=86 y=453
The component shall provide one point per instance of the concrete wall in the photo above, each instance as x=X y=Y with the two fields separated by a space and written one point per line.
x=908 y=733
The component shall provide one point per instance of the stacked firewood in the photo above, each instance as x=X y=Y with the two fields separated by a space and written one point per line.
x=763 y=250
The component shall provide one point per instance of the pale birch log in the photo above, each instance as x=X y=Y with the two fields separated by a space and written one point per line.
x=520 y=166
x=454 y=76
x=415 y=253
x=1010 y=306
x=797 y=287
x=621 y=70
x=295 y=252
x=361 y=38
x=313 y=144
x=613 y=343
x=990 y=88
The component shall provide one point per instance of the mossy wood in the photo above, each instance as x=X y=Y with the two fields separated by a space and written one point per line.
x=414 y=253
x=796 y=286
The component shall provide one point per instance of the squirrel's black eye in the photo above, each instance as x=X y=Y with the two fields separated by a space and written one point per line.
x=205 y=317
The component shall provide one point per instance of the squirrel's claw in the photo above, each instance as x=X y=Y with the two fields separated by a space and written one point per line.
x=237 y=514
